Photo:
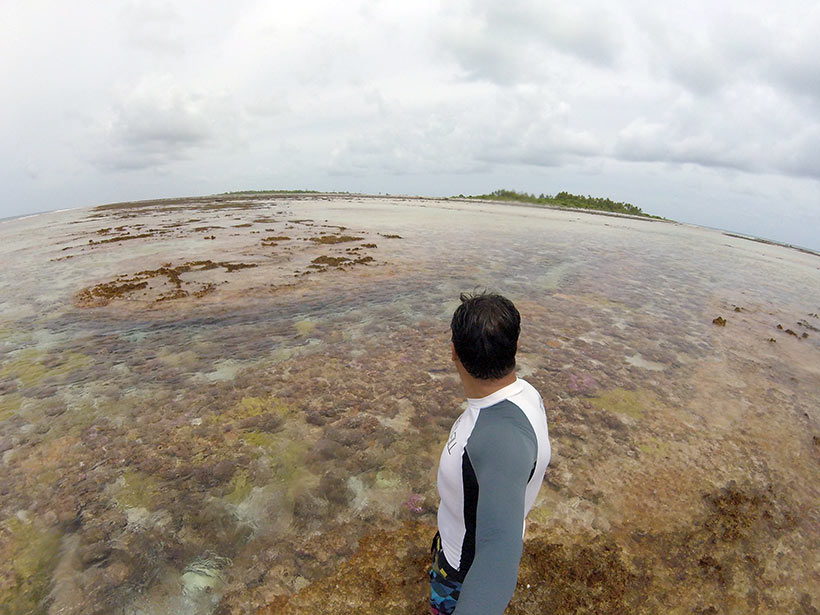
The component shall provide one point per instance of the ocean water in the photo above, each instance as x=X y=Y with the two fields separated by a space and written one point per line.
x=236 y=404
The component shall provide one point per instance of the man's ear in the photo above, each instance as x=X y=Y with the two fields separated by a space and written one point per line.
x=453 y=354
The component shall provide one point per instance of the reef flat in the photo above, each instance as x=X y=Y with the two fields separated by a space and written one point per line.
x=236 y=404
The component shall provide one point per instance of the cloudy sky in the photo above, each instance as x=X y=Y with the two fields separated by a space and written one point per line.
x=703 y=111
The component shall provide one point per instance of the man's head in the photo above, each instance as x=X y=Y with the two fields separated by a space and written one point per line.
x=485 y=330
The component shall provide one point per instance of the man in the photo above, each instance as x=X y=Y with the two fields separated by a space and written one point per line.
x=491 y=467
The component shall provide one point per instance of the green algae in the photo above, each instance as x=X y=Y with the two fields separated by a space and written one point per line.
x=30 y=554
x=288 y=463
x=135 y=489
x=622 y=401
x=305 y=327
x=539 y=514
x=255 y=406
x=239 y=488
x=9 y=405
x=654 y=447
x=286 y=455
x=387 y=479
x=261 y=439
x=27 y=366
x=250 y=406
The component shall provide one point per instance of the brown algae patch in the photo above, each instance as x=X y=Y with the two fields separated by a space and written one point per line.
x=274 y=240
x=707 y=566
x=127 y=286
x=363 y=582
x=333 y=239
x=330 y=261
x=121 y=238
x=276 y=252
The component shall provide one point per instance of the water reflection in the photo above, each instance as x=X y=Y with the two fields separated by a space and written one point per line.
x=264 y=443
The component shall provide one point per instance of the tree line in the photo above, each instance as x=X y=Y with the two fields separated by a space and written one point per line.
x=565 y=199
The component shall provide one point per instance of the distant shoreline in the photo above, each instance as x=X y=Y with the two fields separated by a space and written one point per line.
x=310 y=194
x=596 y=212
x=772 y=242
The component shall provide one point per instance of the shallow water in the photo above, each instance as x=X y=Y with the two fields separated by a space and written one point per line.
x=205 y=409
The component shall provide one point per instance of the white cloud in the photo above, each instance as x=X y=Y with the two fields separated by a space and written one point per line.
x=154 y=26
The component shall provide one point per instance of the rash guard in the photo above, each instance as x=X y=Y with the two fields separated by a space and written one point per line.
x=490 y=472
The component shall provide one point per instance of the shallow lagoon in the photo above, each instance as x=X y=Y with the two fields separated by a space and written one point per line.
x=234 y=404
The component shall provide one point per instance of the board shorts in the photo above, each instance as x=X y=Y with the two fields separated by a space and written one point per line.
x=445 y=581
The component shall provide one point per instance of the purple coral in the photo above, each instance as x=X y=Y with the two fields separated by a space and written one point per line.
x=581 y=382
x=414 y=503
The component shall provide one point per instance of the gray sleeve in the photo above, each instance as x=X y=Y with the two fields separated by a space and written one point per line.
x=502 y=449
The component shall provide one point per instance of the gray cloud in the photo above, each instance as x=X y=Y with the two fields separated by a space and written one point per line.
x=157 y=122
x=530 y=127
x=508 y=43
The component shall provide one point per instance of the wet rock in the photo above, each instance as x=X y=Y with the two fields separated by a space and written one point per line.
x=6 y=444
x=94 y=553
x=314 y=417
x=42 y=391
x=719 y=321
x=268 y=422
x=325 y=449
x=116 y=574
x=215 y=474
x=307 y=508
x=333 y=487
x=808 y=326
x=54 y=408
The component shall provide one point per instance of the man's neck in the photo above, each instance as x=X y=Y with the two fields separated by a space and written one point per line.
x=476 y=388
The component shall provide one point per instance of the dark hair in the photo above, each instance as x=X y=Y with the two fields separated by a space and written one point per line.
x=485 y=330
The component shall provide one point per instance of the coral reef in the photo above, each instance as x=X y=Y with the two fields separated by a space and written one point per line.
x=236 y=440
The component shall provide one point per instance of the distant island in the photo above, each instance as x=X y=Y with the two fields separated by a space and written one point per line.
x=562 y=199
x=565 y=199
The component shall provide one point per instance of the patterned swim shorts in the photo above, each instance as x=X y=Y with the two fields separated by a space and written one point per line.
x=445 y=582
